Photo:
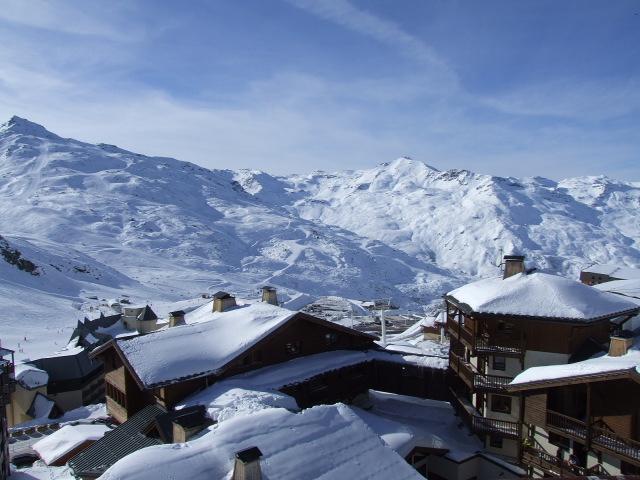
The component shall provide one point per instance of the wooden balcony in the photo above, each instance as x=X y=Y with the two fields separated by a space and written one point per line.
x=501 y=344
x=492 y=426
x=608 y=441
x=566 y=426
x=475 y=380
x=550 y=464
x=461 y=333
x=491 y=383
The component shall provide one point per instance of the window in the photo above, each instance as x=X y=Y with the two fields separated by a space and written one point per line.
x=116 y=395
x=495 y=441
x=331 y=338
x=499 y=363
x=505 y=327
x=500 y=403
x=293 y=348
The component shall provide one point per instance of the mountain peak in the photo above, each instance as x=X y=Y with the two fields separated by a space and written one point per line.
x=22 y=126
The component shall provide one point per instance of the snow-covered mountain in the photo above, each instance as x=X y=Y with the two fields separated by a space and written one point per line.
x=99 y=221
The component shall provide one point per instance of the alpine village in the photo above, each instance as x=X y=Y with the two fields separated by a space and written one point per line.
x=524 y=375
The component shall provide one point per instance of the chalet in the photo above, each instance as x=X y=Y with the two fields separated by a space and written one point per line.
x=500 y=327
x=596 y=274
x=7 y=385
x=583 y=418
x=221 y=339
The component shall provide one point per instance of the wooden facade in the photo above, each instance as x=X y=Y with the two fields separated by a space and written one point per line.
x=487 y=351
x=588 y=418
x=301 y=335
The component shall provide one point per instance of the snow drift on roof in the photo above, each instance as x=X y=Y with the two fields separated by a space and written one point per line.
x=593 y=366
x=540 y=295
x=30 y=376
x=323 y=442
x=63 y=441
x=203 y=347
x=628 y=288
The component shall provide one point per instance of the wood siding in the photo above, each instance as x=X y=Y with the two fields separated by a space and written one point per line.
x=535 y=409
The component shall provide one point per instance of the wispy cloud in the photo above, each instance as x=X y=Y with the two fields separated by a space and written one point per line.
x=344 y=13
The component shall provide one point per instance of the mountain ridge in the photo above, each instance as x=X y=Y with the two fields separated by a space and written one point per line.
x=166 y=230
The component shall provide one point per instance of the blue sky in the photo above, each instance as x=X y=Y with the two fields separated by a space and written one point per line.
x=521 y=88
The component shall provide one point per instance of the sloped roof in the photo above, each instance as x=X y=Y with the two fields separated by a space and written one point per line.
x=122 y=441
x=597 y=367
x=200 y=348
x=68 y=438
x=326 y=441
x=540 y=295
x=147 y=314
x=628 y=288
x=615 y=271
x=67 y=372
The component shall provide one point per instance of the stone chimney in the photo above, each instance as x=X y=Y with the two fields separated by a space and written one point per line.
x=620 y=343
x=176 y=318
x=247 y=465
x=222 y=302
x=270 y=295
x=513 y=264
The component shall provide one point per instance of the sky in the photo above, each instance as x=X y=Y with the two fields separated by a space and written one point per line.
x=519 y=88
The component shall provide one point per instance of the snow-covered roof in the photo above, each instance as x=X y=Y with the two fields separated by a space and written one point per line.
x=30 y=376
x=602 y=364
x=203 y=347
x=615 y=271
x=326 y=441
x=405 y=422
x=628 y=288
x=65 y=440
x=540 y=295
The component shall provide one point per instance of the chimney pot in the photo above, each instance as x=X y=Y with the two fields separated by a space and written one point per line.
x=513 y=264
x=620 y=343
x=270 y=295
x=222 y=302
x=247 y=464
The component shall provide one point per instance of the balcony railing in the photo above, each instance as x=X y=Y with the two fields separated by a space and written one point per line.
x=504 y=428
x=500 y=344
x=535 y=457
x=474 y=379
x=490 y=383
x=565 y=425
x=607 y=440
x=461 y=333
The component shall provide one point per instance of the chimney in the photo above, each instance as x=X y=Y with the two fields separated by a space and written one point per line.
x=222 y=302
x=176 y=318
x=270 y=295
x=620 y=343
x=247 y=465
x=513 y=264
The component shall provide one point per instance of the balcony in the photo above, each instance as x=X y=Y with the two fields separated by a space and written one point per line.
x=492 y=426
x=550 y=464
x=566 y=426
x=491 y=383
x=500 y=344
x=461 y=333
x=610 y=442
x=475 y=380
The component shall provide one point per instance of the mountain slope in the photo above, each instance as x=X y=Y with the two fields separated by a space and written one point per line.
x=171 y=230
x=100 y=222
x=464 y=221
